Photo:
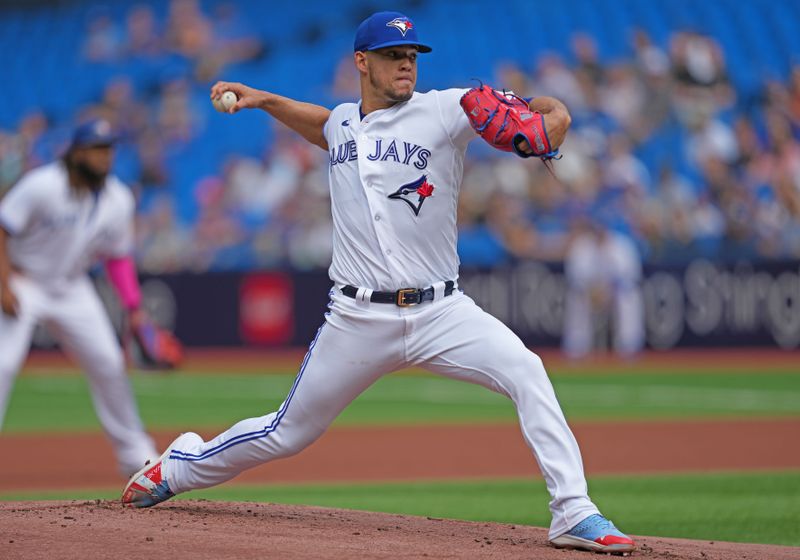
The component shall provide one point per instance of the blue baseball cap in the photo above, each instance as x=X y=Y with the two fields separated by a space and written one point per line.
x=96 y=132
x=387 y=29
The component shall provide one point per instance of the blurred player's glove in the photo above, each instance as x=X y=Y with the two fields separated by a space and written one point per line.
x=504 y=120
x=150 y=346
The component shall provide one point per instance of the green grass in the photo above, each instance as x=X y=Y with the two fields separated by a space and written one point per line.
x=743 y=507
x=60 y=401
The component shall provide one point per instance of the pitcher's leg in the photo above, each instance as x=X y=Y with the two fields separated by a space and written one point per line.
x=339 y=365
x=83 y=328
x=473 y=346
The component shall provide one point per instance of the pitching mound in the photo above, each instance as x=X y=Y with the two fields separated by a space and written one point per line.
x=195 y=530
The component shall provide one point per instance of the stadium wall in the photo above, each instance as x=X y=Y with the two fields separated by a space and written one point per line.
x=703 y=304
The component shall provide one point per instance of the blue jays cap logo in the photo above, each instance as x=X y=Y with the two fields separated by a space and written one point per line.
x=378 y=31
x=414 y=193
x=102 y=128
x=401 y=24
x=97 y=132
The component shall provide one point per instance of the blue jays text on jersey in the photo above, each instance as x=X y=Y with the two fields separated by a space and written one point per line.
x=384 y=149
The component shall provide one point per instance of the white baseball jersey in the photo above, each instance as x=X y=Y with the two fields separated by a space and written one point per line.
x=386 y=235
x=57 y=233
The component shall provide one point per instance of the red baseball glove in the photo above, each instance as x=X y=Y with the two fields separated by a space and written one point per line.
x=150 y=346
x=504 y=120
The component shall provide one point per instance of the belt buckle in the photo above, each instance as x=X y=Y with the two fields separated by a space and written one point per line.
x=401 y=296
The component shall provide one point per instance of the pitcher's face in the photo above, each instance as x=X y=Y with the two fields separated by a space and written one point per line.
x=392 y=72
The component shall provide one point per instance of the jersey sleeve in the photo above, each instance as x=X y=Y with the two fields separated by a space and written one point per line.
x=121 y=238
x=335 y=114
x=453 y=118
x=325 y=128
x=20 y=204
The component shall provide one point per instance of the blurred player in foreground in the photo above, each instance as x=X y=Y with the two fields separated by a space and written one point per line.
x=396 y=162
x=55 y=223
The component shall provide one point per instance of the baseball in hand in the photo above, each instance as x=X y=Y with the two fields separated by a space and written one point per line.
x=225 y=101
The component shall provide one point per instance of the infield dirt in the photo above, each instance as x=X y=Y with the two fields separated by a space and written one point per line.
x=198 y=530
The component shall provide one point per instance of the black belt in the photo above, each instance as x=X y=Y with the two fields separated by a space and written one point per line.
x=403 y=297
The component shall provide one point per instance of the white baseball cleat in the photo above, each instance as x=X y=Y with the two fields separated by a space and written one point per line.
x=148 y=486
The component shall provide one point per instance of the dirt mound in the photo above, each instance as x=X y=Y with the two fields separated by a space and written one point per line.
x=198 y=529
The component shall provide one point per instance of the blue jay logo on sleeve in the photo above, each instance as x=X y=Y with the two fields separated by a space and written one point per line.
x=401 y=24
x=414 y=193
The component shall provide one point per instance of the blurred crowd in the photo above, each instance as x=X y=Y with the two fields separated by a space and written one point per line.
x=662 y=150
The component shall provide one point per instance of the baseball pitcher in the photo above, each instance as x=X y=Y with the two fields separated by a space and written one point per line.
x=396 y=162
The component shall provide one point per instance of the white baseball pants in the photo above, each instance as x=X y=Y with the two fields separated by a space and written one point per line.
x=360 y=342
x=75 y=316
